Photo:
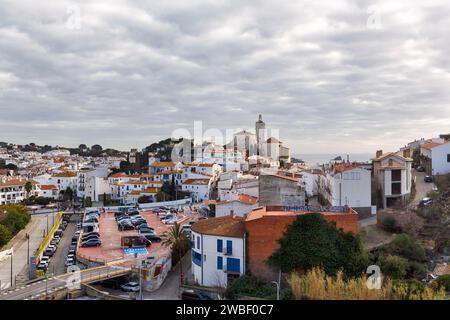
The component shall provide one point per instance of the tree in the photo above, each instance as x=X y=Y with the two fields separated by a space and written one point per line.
x=68 y=194
x=16 y=221
x=177 y=240
x=5 y=235
x=28 y=188
x=407 y=247
x=310 y=241
x=96 y=148
x=82 y=147
x=87 y=202
x=394 y=266
x=143 y=199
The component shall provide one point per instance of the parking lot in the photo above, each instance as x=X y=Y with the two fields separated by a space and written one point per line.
x=111 y=249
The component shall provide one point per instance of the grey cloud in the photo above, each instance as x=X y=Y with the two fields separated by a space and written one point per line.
x=137 y=70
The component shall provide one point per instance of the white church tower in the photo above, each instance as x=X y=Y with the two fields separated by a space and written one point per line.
x=260 y=128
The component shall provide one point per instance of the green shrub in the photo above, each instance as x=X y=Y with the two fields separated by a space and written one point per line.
x=16 y=221
x=394 y=266
x=390 y=224
x=5 y=235
x=254 y=287
x=444 y=281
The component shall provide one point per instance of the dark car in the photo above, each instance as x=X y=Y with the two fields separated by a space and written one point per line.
x=186 y=295
x=428 y=179
x=91 y=243
x=144 y=226
x=138 y=222
x=125 y=226
x=133 y=213
x=151 y=237
x=123 y=218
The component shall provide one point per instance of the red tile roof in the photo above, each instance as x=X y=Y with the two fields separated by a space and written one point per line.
x=48 y=187
x=227 y=226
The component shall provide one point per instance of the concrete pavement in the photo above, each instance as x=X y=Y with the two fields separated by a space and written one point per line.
x=36 y=229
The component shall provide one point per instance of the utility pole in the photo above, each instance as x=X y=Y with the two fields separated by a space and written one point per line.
x=12 y=254
x=28 y=248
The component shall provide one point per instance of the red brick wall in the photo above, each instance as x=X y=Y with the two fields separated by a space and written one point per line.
x=262 y=236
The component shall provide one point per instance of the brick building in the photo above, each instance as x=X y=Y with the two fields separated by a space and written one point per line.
x=265 y=225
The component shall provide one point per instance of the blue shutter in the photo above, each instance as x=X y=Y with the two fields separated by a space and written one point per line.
x=219 y=245
x=229 y=247
x=219 y=263
x=233 y=265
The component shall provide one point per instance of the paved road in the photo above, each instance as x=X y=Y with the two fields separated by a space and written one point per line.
x=57 y=262
x=38 y=289
x=422 y=187
x=36 y=228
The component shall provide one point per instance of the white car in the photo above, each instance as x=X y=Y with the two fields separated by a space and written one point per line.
x=130 y=287
x=70 y=262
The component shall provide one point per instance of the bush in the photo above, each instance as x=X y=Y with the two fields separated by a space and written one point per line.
x=394 y=266
x=253 y=287
x=407 y=247
x=5 y=235
x=444 y=281
x=390 y=224
x=16 y=221
x=323 y=245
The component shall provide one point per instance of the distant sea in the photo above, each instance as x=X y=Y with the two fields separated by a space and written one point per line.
x=312 y=159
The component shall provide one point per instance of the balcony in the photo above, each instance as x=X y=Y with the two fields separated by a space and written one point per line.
x=227 y=251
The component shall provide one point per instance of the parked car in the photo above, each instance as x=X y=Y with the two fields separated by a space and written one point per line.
x=52 y=247
x=130 y=287
x=45 y=259
x=91 y=243
x=122 y=218
x=144 y=226
x=42 y=266
x=92 y=236
x=420 y=169
x=49 y=252
x=151 y=237
x=69 y=262
x=188 y=295
x=72 y=249
x=125 y=226
x=425 y=202
x=138 y=222
x=428 y=179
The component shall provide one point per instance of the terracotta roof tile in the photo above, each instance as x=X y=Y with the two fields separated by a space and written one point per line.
x=227 y=226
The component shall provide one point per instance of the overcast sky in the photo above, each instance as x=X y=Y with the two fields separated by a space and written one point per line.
x=334 y=76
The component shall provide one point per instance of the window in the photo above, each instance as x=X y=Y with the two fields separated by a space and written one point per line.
x=198 y=242
x=229 y=247
x=219 y=263
x=219 y=245
x=448 y=157
x=233 y=265
x=197 y=258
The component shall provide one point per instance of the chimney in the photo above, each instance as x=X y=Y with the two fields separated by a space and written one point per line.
x=407 y=153
x=348 y=158
x=379 y=153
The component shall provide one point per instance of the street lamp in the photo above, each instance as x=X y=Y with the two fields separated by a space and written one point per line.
x=278 y=283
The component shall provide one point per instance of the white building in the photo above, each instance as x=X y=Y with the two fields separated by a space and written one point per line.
x=348 y=184
x=436 y=157
x=311 y=180
x=240 y=206
x=198 y=188
x=392 y=178
x=218 y=250
x=12 y=190
x=49 y=191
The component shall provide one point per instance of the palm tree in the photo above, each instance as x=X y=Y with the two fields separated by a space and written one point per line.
x=175 y=239
x=28 y=188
